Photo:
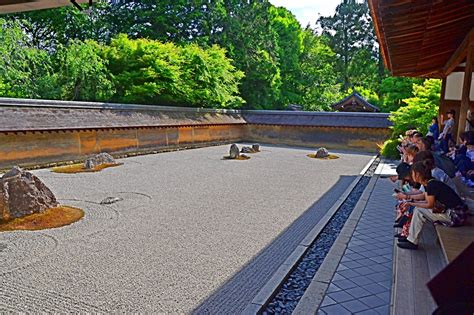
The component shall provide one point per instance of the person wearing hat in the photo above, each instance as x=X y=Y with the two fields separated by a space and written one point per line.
x=447 y=133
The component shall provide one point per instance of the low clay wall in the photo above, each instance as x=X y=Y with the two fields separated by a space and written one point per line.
x=333 y=130
x=36 y=132
x=35 y=148
x=339 y=138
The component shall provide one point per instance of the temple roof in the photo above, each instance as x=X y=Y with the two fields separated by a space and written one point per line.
x=354 y=103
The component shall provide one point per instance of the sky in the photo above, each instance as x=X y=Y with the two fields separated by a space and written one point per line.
x=308 y=11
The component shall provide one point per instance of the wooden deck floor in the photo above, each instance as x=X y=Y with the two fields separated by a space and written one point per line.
x=455 y=240
x=412 y=270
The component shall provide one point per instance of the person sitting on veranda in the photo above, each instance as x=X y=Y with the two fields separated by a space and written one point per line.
x=418 y=193
x=436 y=172
x=424 y=144
x=410 y=153
x=441 y=205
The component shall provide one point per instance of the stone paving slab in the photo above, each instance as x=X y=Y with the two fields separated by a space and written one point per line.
x=363 y=279
x=193 y=232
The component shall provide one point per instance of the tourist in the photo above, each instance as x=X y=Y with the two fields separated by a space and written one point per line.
x=447 y=135
x=410 y=190
x=424 y=144
x=433 y=130
x=441 y=205
x=436 y=172
x=410 y=153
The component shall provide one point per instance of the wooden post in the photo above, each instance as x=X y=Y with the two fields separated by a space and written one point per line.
x=442 y=102
x=466 y=88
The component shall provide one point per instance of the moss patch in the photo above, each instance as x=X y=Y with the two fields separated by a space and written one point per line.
x=253 y=152
x=241 y=157
x=51 y=218
x=330 y=157
x=79 y=168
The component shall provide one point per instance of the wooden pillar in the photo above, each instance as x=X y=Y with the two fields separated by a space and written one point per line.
x=466 y=88
x=442 y=102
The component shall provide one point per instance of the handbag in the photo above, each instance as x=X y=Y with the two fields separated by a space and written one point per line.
x=438 y=207
x=457 y=215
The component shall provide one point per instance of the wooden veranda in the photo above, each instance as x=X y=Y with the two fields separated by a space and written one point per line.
x=431 y=39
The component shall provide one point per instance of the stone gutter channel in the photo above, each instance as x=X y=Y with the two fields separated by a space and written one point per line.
x=285 y=289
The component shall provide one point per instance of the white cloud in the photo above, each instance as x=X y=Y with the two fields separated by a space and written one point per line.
x=308 y=11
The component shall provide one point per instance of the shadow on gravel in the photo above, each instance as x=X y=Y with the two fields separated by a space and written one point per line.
x=234 y=295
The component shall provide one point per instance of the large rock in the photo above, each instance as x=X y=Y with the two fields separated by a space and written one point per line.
x=234 y=151
x=247 y=150
x=96 y=160
x=322 y=153
x=22 y=193
x=253 y=149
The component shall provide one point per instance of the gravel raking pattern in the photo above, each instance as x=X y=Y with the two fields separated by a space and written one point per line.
x=190 y=233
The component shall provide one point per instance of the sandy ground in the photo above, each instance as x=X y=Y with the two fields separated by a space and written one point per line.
x=194 y=233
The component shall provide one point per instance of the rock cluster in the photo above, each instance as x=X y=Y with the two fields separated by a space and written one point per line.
x=253 y=149
x=96 y=160
x=322 y=153
x=22 y=193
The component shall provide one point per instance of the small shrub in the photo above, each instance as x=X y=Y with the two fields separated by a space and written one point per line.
x=389 y=149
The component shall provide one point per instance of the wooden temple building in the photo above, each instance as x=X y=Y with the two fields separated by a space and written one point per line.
x=354 y=103
x=430 y=39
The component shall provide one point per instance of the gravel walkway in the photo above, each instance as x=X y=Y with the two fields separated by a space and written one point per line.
x=193 y=232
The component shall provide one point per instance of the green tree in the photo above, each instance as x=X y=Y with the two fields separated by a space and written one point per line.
x=351 y=36
x=248 y=36
x=151 y=72
x=394 y=90
x=289 y=50
x=23 y=68
x=420 y=108
x=82 y=73
x=46 y=29
x=318 y=85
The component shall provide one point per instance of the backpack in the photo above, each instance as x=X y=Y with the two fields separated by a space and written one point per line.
x=446 y=164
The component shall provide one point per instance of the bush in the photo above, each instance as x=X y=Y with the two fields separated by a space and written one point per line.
x=389 y=149
x=420 y=108
x=417 y=113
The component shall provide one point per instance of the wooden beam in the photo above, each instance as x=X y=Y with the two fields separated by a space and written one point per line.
x=459 y=54
x=466 y=89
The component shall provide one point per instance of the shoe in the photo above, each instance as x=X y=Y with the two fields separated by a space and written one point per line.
x=407 y=245
x=402 y=239
x=398 y=235
x=401 y=222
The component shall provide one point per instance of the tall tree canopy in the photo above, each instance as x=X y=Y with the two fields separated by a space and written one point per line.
x=276 y=62
x=351 y=36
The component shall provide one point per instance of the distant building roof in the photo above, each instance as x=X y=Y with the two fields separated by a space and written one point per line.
x=355 y=103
